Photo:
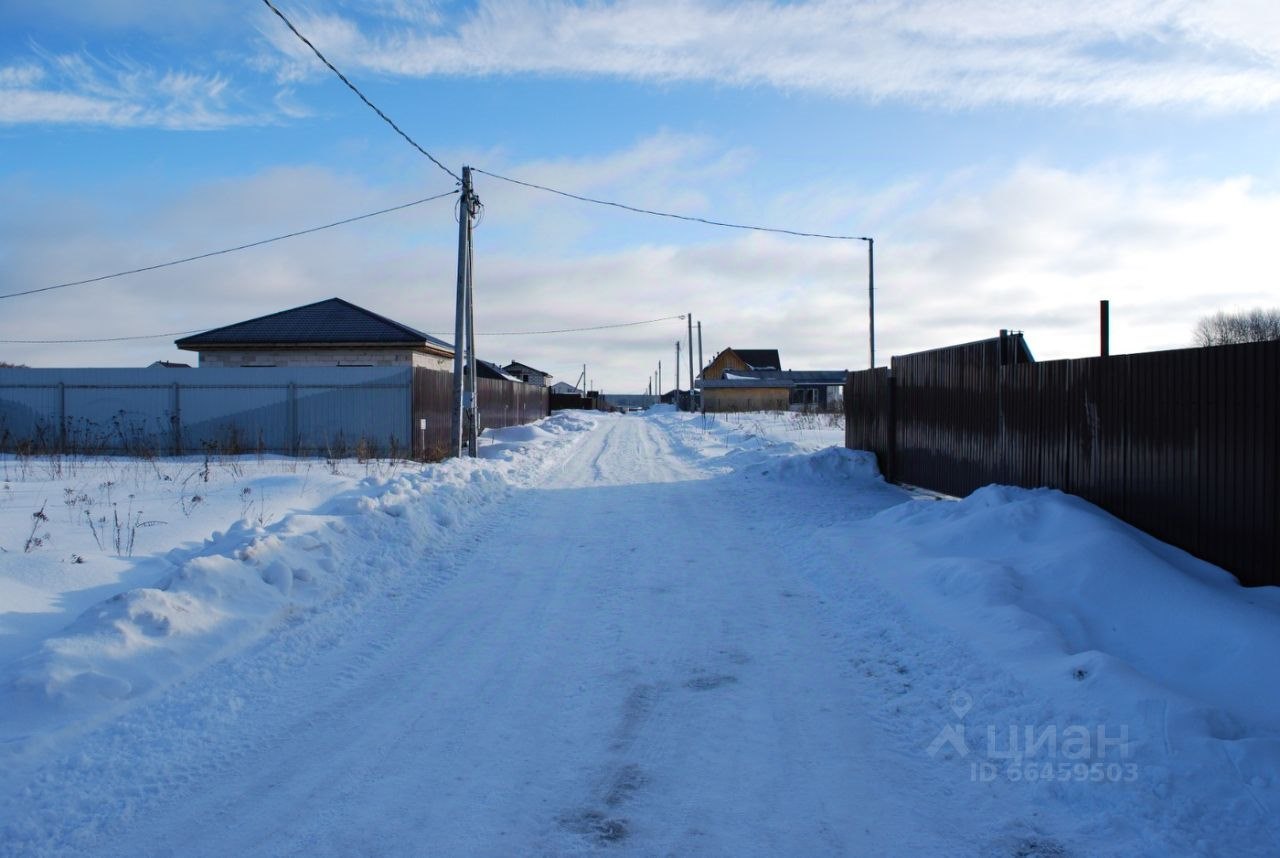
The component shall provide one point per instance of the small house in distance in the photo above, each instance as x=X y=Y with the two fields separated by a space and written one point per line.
x=745 y=394
x=741 y=360
x=753 y=380
x=327 y=333
x=490 y=370
x=528 y=374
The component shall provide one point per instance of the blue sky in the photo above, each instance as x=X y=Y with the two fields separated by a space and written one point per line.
x=1015 y=162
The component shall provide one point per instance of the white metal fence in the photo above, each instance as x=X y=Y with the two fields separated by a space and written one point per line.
x=299 y=411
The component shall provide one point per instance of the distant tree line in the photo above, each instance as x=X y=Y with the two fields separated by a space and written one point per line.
x=1253 y=326
x=7 y=365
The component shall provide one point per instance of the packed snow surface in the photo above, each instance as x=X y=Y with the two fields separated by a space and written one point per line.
x=657 y=634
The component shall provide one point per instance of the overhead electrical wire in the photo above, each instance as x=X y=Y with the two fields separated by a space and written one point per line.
x=433 y=333
x=102 y=339
x=356 y=90
x=638 y=210
x=228 y=249
x=434 y=160
x=566 y=330
x=599 y=202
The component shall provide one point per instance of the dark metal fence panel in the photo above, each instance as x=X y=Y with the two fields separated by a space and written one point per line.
x=432 y=413
x=947 y=416
x=868 y=415
x=571 y=401
x=501 y=403
x=1184 y=444
x=506 y=403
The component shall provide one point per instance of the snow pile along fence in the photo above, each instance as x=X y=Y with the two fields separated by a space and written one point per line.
x=1181 y=444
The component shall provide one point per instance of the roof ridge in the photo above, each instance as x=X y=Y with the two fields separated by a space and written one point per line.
x=226 y=334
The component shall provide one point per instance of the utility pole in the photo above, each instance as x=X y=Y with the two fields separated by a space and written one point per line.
x=677 y=402
x=463 y=412
x=472 y=433
x=691 y=361
x=659 y=380
x=700 y=363
x=871 y=294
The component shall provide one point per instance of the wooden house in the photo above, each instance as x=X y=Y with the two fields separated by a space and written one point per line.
x=741 y=360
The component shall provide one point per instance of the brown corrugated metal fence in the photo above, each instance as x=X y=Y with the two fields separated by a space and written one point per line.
x=502 y=403
x=1182 y=444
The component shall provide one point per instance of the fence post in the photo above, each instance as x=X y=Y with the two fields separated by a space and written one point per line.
x=892 y=429
x=62 y=417
x=176 y=418
x=292 y=420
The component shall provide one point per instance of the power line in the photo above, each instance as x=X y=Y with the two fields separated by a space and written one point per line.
x=101 y=339
x=432 y=333
x=353 y=88
x=227 y=250
x=567 y=330
x=674 y=216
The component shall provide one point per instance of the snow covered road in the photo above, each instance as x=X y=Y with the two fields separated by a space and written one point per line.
x=640 y=650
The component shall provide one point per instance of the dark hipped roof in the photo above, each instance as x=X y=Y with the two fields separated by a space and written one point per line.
x=488 y=369
x=324 y=323
x=759 y=358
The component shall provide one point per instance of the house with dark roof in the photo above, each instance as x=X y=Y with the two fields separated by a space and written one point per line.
x=775 y=389
x=528 y=374
x=327 y=333
x=741 y=360
x=490 y=370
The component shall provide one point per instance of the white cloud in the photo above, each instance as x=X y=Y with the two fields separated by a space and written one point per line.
x=957 y=258
x=1217 y=55
x=1041 y=247
x=79 y=88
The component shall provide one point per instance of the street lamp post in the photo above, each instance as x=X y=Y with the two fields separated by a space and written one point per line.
x=871 y=294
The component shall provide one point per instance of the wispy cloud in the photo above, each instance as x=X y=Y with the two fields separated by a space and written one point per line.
x=78 y=88
x=1215 y=54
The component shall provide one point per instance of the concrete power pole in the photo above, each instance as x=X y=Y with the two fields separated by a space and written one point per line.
x=871 y=296
x=701 y=365
x=472 y=412
x=691 y=361
x=677 y=403
x=463 y=416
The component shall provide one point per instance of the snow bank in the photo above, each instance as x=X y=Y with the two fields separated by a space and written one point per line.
x=216 y=598
x=1098 y=626
x=512 y=442
x=1012 y=566
x=750 y=441
x=855 y=468
x=1064 y=621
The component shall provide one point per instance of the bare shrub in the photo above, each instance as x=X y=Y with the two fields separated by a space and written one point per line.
x=1251 y=326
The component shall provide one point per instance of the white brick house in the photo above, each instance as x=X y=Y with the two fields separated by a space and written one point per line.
x=328 y=333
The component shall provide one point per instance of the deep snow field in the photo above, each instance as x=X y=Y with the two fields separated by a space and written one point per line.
x=635 y=634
